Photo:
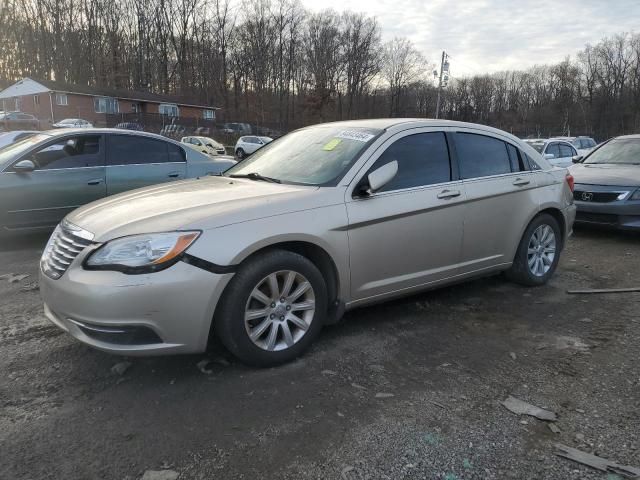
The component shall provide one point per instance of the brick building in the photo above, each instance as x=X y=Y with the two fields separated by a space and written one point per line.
x=52 y=101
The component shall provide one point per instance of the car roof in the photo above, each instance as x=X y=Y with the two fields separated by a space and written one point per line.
x=117 y=131
x=399 y=124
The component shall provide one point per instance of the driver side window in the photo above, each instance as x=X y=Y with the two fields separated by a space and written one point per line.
x=71 y=152
x=423 y=159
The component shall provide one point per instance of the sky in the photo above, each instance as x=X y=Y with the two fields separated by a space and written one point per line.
x=484 y=36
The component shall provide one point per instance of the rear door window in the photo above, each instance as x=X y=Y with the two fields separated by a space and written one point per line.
x=423 y=159
x=135 y=150
x=481 y=156
x=176 y=154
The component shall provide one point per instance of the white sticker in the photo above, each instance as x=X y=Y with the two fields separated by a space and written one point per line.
x=355 y=135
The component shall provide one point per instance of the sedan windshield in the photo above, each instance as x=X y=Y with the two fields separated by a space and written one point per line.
x=11 y=151
x=625 y=151
x=317 y=155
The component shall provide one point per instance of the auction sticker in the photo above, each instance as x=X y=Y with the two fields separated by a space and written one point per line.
x=355 y=135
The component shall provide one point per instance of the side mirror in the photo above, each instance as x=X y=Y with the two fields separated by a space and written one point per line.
x=381 y=176
x=24 y=166
x=549 y=156
x=577 y=159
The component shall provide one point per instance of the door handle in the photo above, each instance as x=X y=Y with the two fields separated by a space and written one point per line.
x=174 y=174
x=95 y=181
x=519 y=182
x=449 y=194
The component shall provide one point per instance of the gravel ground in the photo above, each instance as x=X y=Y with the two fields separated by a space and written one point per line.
x=408 y=389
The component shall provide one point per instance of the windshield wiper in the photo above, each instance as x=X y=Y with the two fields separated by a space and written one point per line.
x=255 y=176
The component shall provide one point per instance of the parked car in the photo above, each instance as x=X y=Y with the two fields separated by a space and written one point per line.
x=130 y=126
x=306 y=228
x=583 y=145
x=560 y=153
x=249 y=144
x=607 y=191
x=7 y=138
x=45 y=176
x=18 y=121
x=205 y=145
x=237 y=128
x=72 y=123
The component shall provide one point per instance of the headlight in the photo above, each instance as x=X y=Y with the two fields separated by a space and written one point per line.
x=141 y=253
x=636 y=195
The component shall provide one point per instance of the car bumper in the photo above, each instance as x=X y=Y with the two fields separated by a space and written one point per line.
x=166 y=312
x=569 y=216
x=623 y=215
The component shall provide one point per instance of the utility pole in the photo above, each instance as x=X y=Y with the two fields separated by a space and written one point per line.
x=444 y=78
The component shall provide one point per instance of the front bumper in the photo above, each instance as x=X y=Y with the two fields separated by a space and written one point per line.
x=623 y=215
x=165 y=312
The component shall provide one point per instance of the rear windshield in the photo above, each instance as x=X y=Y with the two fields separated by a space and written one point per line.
x=539 y=146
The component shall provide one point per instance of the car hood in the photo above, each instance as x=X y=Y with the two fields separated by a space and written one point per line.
x=606 y=174
x=209 y=202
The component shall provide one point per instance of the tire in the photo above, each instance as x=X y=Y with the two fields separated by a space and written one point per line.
x=240 y=154
x=542 y=266
x=233 y=326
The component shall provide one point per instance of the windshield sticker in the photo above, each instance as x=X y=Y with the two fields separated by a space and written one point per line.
x=355 y=135
x=331 y=144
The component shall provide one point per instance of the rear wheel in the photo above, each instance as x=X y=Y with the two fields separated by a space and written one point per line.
x=273 y=309
x=538 y=253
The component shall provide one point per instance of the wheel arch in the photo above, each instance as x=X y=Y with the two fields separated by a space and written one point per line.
x=315 y=254
x=557 y=215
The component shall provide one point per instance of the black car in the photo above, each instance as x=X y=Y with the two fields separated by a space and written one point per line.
x=607 y=185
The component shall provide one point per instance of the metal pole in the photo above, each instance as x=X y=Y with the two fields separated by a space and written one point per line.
x=440 y=86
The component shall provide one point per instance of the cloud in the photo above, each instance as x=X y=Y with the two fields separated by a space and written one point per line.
x=492 y=35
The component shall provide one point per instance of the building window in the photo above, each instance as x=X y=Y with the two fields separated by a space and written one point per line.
x=36 y=100
x=17 y=104
x=105 y=105
x=61 y=99
x=169 y=109
x=209 y=114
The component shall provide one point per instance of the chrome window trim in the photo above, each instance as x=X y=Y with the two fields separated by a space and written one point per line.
x=414 y=189
x=146 y=164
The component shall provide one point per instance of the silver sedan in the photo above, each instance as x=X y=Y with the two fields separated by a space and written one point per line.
x=320 y=221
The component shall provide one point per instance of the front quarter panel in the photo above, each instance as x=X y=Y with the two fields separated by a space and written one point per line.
x=324 y=227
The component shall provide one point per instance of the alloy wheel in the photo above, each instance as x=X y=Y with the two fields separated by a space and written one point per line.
x=279 y=310
x=541 y=250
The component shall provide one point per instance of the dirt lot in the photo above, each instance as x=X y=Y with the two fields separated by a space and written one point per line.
x=409 y=389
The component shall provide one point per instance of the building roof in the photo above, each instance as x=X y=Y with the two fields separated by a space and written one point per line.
x=62 y=87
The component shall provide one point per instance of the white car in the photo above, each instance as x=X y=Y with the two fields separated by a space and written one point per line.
x=72 y=123
x=205 y=145
x=249 y=144
x=584 y=145
x=559 y=153
x=7 y=138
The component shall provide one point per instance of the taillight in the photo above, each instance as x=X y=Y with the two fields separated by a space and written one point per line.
x=570 y=182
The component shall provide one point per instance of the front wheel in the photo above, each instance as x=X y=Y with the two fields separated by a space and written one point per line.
x=273 y=309
x=538 y=253
x=240 y=154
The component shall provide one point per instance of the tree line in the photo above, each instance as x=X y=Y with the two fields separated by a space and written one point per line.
x=277 y=64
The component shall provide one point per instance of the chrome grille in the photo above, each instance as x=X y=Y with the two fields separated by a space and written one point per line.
x=66 y=242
